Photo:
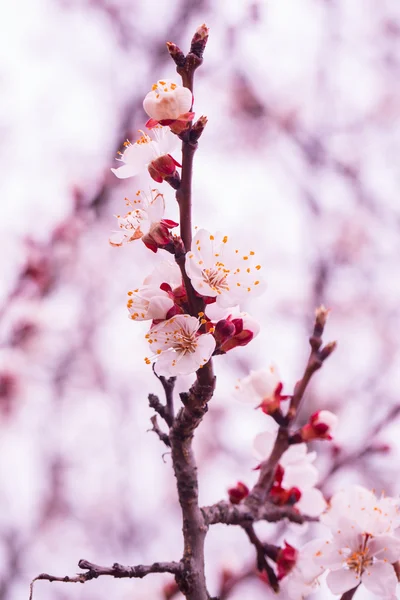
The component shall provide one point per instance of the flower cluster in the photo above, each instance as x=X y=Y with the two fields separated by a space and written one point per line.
x=184 y=333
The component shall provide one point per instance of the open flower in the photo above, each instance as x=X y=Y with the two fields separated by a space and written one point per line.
x=148 y=302
x=302 y=579
x=153 y=154
x=169 y=104
x=179 y=348
x=375 y=516
x=355 y=557
x=219 y=270
x=263 y=389
x=144 y=221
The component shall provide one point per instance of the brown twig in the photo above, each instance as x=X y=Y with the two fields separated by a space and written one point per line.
x=262 y=563
x=241 y=514
x=164 y=437
x=118 y=571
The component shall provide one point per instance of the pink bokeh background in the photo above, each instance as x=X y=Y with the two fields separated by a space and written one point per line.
x=299 y=159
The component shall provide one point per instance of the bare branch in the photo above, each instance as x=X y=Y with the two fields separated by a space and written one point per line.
x=118 y=571
x=156 y=428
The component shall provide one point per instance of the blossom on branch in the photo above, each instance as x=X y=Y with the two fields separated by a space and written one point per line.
x=149 y=302
x=295 y=476
x=169 y=104
x=232 y=328
x=179 y=348
x=320 y=426
x=262 y=388
x=153 y=154
x=375 y=516
x=302 y=579
x=145 y=221
x=355 y=557
x=219 y=270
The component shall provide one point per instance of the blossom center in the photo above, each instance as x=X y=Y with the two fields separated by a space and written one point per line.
x=184 y=342
x=359 y=559
x=216 y=279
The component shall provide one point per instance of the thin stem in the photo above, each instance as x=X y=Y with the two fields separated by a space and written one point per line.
x=184 y=194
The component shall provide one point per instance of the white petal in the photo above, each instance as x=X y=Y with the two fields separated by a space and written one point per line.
x=380 y=579
x=342 y=580
x=216 y=313
x=311 y=503
x=166 y=141
x=385 y=547
x=159 y=306
x=125 y=171
x=302 y=476
x=264 y=442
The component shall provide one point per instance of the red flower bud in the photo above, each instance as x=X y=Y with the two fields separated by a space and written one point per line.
x=164 y=168
x=287 y=558
x=159 y=235
x=238 y=493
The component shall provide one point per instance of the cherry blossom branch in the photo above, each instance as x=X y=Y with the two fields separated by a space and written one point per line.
x=317 y=356
x=118 y=571
x=315 y=361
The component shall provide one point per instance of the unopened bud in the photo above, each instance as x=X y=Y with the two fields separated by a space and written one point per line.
x=176 y=54
x=238 y=493
x=199 y=40
x=198 y=129
x=319 y=427
x=164 y=168
x=287 y=558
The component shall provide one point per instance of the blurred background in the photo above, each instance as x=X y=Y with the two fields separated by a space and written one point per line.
x=300 y=160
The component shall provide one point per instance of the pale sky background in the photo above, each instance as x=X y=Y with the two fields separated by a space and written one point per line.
x=299 y=159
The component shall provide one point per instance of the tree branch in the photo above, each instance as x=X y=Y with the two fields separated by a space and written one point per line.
x=260 y=491
x=262 y=563
x=118 y=571
x=240 y=514
x=164 y=437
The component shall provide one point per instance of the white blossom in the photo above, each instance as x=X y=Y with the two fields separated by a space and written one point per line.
x=355 y=557
x=303 y=579
x=218 y=269
x=137 y=156
x=167 y=100
x=148 y=302
x=375 y=516
x=147 y=211
x=258 y=386
x=165 y=271
x=178 y=347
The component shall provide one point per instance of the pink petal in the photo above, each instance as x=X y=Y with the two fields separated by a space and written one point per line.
x=341 y=580
x=380 y=579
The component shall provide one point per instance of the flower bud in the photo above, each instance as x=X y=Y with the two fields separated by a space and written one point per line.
x=164 y=168
x=320 y=426
x=238 y=493
x=199 y=40
x=158 y=235
x=287 y=558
